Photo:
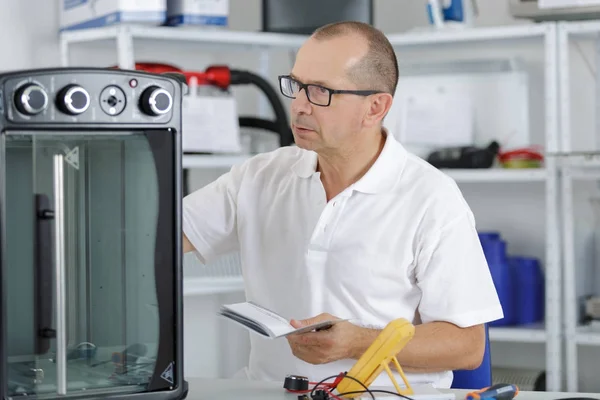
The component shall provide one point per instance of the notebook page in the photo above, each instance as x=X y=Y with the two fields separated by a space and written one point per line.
x=276 y=323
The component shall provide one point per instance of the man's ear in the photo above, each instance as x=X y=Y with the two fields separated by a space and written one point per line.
x=379 y=106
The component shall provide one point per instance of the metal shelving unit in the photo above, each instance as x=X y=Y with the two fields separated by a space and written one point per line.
x=546 y=35
x=542 y=35
x=579 y=163
x=574 y=168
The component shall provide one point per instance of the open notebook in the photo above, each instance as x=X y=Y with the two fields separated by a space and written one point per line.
x=265 y=322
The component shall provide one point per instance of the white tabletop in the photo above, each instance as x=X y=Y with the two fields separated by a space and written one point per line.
x=225 y=389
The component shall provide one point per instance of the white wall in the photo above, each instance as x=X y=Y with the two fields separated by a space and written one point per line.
x=29 y=32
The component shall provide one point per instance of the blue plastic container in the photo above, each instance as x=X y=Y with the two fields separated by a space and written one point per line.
x=494 y=249
x=485 y=237
x=529 y=290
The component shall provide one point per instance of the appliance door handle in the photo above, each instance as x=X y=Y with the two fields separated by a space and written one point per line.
x=43 y=274
x=60 y=279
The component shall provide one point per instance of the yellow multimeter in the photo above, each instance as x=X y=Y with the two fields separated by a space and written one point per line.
x=377 y=358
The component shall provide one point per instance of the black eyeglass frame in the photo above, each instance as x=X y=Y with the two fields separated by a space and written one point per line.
x=331 y=91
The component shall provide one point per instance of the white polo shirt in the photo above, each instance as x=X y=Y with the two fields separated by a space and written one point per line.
x=399 y=243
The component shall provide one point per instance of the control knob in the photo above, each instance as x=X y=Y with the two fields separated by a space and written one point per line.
x=31 y=99
x=73 y=100
x=156 y=101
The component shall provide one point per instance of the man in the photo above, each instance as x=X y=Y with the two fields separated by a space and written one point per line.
x=348 y=224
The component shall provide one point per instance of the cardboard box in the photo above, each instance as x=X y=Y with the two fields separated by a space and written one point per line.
x=198 y=12
x=81 y=14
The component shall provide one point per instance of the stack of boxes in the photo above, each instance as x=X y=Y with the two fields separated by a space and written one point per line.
x=81 y=14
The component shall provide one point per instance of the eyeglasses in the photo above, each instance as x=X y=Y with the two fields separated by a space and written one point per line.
x=316 y=94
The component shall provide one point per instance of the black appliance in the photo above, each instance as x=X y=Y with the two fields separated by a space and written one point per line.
x=91 y=264
x=465 y=156
x=303 y=17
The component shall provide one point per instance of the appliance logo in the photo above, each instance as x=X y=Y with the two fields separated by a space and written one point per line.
x=72 y=157
x=168 y=374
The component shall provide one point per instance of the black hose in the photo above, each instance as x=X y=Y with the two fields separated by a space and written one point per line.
x=238 y=77
x=280 y=126
x=260 y=123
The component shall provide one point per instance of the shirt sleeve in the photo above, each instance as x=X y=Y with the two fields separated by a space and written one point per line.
x=210 y=216
x=454 y=277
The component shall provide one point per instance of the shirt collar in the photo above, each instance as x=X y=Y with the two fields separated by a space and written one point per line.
x=384 y=172
x=306 y=166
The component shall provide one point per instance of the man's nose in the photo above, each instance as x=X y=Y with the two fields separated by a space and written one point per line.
x=301 y=104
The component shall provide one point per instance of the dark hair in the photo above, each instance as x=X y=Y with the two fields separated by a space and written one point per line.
x=378 y=69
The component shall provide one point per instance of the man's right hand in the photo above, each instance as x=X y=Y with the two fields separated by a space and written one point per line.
x=187 y=245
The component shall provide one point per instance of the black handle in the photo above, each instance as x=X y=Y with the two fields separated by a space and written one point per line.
x=43 y=274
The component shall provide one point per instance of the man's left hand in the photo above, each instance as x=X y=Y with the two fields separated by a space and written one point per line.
x=320 y=347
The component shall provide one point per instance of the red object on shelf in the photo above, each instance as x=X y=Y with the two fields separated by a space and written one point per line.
x=521 y=154
x=215 y=75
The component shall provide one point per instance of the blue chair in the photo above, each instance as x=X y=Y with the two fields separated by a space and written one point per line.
x=477 y=378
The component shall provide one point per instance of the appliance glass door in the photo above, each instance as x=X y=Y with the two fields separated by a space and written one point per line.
x=89 y=262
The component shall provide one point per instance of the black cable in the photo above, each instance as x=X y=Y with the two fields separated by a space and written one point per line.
x=367 y=390
x=371 y=391
x=238 y=77
x=261 y=123
x=312 y=392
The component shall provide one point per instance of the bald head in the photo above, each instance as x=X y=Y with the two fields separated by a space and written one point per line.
x=377 y=69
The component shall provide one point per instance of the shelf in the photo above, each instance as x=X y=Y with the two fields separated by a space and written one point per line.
x=215 y=37
x=497 y=175
x=581 y=28
x=519 y=334
x=206 y=286
x=292 y=41
x=460 y=175
x=580 y=159
x=588 y=336
x=460 y=35
x=213 y=160
x=581 y=165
